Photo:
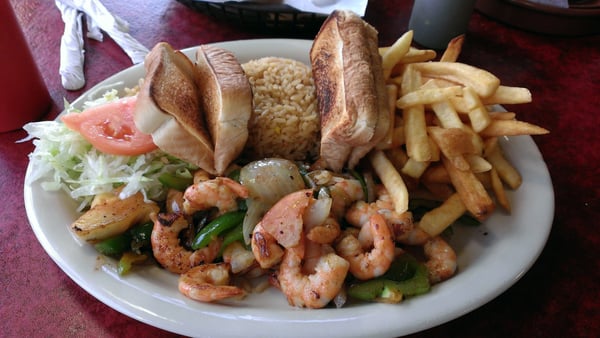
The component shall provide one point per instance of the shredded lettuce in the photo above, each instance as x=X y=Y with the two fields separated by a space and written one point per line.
x=64 y=160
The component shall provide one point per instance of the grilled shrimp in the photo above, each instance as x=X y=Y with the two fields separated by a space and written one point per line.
x=169 y=252
x=201 y=175
x=368 y=264
x=441 y=261
x=239 y=258
x=344 y=192
x=219 y=192
x=315 y=290
x=209 y=283
x=416 y=236
x=402 y=225
x=265 y=248
x=281 y=226
x=313 y=253
x=319 y=223
x=324 y=233
x=403 y=229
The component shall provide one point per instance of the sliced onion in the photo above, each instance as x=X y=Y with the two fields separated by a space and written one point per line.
x=317 y=212
x=267 y=181
x=256 y=210
x=340 y=299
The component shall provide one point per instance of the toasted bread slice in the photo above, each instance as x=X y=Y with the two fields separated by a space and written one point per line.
x=384 y=115
x=169 y=107
x=347 y=96
x=226 y=98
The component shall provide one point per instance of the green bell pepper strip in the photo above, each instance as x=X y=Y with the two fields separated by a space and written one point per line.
x=128 y=259
x=235 y=174
x=402 y=268
x=135 y=238
x=216 y=227
x=380 y=290
x=417 y=285
x=140 y=235
x=233 y=235
x=115 y=246
x=391 y=291
x=411 y=277
x=369 y=290
x=406 y=278
x=175 y=182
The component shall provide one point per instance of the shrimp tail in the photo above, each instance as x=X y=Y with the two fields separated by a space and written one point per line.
x=209 y=283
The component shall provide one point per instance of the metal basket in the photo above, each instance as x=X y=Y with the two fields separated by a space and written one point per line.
x=274 y=19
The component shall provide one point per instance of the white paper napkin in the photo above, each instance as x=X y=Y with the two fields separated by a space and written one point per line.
x=98 y=19
x=71 y=48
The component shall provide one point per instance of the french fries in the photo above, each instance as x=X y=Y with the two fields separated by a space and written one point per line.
x=414 y=168
x=478 y=113
x=427 y=96
x=502 y=115
x=453 y=50
x=478 y=164
x=395 y=53
x=417 y=142
x=417 y=55
x=435 y=174
x=502 y=127
x=446 y=114
x=437 y=220
x=498 y=188
x=439 y=191
x=508 y=95
x=483 y=82
x=454 y=143
x=471 y=191
x=507 y=172
x=445 y=136
x=391 y=180
x=388 y=140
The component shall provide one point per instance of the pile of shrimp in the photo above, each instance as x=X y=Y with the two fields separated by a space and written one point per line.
x=305 y=254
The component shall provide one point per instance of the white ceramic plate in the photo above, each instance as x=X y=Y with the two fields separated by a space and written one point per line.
x=491 y=257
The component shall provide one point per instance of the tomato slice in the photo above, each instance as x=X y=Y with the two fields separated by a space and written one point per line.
x=110 y=128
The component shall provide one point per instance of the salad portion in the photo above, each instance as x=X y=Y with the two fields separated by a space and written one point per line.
x=64 y=159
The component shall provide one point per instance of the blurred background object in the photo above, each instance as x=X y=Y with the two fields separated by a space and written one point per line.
x=435 y=22
x=276 y=19
x=581 y=17
x=24 y=96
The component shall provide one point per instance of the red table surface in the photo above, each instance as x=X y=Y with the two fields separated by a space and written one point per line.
x=558 y=297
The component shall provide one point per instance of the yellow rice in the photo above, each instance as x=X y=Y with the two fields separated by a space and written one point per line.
x=284 y=122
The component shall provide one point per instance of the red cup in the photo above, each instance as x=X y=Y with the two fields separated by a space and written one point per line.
x=23 y=95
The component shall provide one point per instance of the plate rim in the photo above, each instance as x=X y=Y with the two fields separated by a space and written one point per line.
x=262 y=317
